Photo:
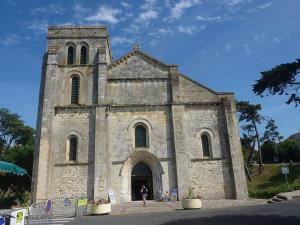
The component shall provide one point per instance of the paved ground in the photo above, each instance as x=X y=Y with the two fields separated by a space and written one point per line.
x=284 y=213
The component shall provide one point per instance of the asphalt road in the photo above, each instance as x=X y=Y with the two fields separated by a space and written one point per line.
x=284 y=213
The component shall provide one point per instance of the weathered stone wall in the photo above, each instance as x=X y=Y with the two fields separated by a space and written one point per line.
x=70 y=178
x=190 y=91
x=138 y=92
x=71 y=181
x=71 y=123
x=121 y=131
x=121 y=143
x=210 y=176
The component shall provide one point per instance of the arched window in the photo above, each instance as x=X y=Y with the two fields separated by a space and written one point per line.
x=73 y=148
x=83 y=55
x=75 y=90
x=140 y=136
x=71 y=55
x=205 y=139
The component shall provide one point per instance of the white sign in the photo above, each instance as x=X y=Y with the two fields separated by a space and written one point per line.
x=285 y=170
x=112 y=197
x=18 y=217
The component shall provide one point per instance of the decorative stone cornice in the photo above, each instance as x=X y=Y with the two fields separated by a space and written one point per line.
x=207 y=159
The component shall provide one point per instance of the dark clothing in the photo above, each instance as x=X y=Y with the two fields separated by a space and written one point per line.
x=144 y=190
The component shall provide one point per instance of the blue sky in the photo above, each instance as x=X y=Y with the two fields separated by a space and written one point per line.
x=223 y=44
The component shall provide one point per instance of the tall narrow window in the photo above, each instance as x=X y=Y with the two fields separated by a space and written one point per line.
x=83 y=55
x=73 y=148
x=75 y=90
x=71 y=53
x=205 y=145
x=140 y=136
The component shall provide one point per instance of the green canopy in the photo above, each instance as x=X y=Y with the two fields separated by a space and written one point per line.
x=6 y=167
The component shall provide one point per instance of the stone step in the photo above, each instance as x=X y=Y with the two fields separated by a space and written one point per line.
x=275 y=199
x=137 y=207
x=282 y=197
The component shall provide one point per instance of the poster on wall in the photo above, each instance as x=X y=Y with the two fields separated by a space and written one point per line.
x=18 y=217
x=112 y=197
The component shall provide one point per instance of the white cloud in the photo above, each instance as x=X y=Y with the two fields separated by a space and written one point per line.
x=39 y=27
x=105 y=14
x=277 y=40
x=11 y=40
x=189 y=29
x=150 y=14
x=179 y=8
x=209 y=18
x=117 y=40
x=148 y=4
x=10 y=2
x=161 y=32
x=266 y=5
x=260 y=7
x=234 y=2
x=247 y=48
x=51 y=9
x=125 y=4
x=228 y=47
x=259 y=38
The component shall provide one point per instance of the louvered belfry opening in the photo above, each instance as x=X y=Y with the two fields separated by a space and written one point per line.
x=70 y=58
x=75 y=90
x=83 y=55
x=73 y=148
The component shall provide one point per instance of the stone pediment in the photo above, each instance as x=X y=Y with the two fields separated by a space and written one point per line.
x=138 y=65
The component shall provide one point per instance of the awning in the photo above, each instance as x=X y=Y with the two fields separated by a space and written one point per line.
x=6 y=167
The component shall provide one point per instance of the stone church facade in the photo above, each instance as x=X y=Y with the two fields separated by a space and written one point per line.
x=109 y=126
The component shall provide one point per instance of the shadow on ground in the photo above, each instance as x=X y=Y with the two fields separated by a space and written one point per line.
x=237 y=220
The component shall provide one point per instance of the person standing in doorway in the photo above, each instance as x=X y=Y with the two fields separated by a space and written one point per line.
x=144 y=192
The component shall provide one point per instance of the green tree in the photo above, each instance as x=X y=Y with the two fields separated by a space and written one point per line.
x=282 y=79
x=16 y=146
x=288 y=150
x=271 y=136
x=248 y=141
x=13 y=131
x=249 y=113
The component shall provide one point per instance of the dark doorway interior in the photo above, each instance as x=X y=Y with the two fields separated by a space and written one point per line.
x=141 y=174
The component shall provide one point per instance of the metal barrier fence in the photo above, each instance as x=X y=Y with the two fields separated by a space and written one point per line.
x=42 y=213
x=69 y=207
x=39 y=214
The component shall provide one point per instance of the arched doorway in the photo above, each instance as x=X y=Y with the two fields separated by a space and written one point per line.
x=151 y=162
x=141 y=174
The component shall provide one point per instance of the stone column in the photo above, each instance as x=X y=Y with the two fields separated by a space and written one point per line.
x=235 y=150
x=102 y=74
x=101 y=167
x=181 y=155
x=43 y=156
x=101 y=154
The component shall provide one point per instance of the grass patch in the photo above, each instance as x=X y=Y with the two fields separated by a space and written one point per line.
x=271 y=182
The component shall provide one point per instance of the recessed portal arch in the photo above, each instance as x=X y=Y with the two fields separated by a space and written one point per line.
x=128 y=167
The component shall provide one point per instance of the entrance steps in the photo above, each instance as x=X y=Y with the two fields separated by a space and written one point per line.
x=155 y=206
x=137 y=207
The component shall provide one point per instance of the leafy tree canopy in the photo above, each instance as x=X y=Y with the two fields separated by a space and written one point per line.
x=280 y=80
x=248 y=112
x=13 y=131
